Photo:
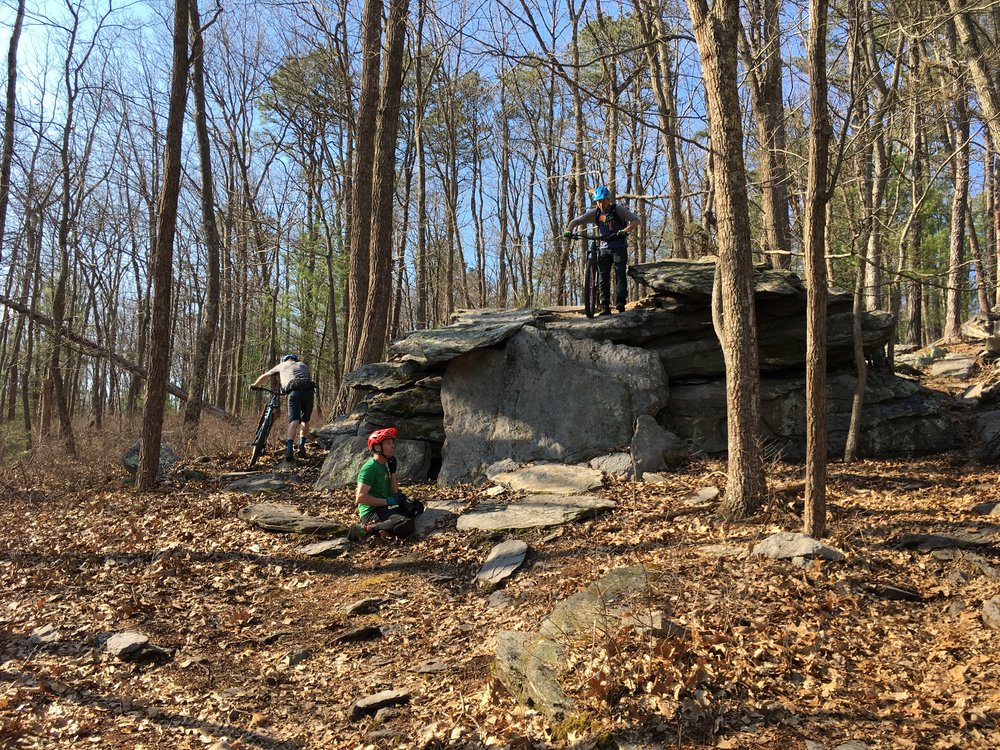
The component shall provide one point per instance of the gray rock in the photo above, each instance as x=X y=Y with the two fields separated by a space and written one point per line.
x=592 y=607
x=978 y=327
x=130 y=458
x=364 y=607
x=132 y=646
x=955 y=540
x=704 y=496
x=331 y=548
x=986 y=431
x=431 y=666
x=440 y=514
x=260 y=483
x=614 y=465
x=497 y=600
x=533 y=511
x=384 y=376
x=526 y=664
x=477 y=330
x=959 y=367
x=900 y=417
x=991 y=613
x=657 y=624
x=348 y=454
x=347 y=424
x=786 y=545
x=502 y=562
x=654 y=448
x=505 y=404
x=45 y=636
x=295 y=657
x=371 y=704
x=692 y=281
x=284 y=517
x=356 y=635
x=987 y=509
x=554 y=479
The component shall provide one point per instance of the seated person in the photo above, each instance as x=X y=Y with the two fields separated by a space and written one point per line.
x=383 y=509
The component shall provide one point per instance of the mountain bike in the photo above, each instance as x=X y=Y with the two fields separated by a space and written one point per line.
x=267 y=418
x=591 y=273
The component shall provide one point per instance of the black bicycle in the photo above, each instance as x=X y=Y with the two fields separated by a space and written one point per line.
x=267 y=417
x=591 y=273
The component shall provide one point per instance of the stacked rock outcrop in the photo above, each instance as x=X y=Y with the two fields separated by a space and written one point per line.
x=552 y=385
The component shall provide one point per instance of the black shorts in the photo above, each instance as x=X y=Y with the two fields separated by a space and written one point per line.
x=300 y=406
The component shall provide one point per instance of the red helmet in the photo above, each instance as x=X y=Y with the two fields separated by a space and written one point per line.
x=376 y=438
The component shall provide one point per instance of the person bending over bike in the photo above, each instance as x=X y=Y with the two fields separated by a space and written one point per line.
x=614 y=223
x=383 y=509
x=294 y=377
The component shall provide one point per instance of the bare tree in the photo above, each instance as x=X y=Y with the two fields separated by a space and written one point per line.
x=162 y=274
x=716 y=30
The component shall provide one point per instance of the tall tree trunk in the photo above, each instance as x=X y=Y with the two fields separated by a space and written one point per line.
x=362 y=218
x=716 y=31
x=7 y=152
x=820 y=130
x=159 y=349
x=376 y=310
x=957 y=273
x=210 y=316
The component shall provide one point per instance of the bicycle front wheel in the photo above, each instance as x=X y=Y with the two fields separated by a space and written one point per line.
x=260 y=438
x=590 y=280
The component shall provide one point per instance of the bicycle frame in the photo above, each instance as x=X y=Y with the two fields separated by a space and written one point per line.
x=267 y=416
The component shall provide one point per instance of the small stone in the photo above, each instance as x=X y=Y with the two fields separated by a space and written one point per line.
x=371 y=704
x=704 y=496
x=295 y=657
x=331 y=548
x=125 y=644
x=787 y=545
x=364 y=607
x=431 y=666
x=355 y=635
x=991 y=613
x=45 y=635
x=495 y=491
x=497 y=599
x=502 y=562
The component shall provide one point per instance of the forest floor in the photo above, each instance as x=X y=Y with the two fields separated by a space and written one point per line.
x=887 y=649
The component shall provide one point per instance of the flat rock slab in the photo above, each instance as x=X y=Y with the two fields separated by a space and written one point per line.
x=704 y=496
x=132 y=646
x=260 y=483
x=613 y=464
x=955 y=540
x=502 y=562
x=555 y=479
x=786 y=545
x=284 y=517
x=533 y=511
x=364 y=606
x=440 y=514
x=959 y=367
x=331 y=548
x=987 y=509
x=526 y=664
x=431 y=666
x=593 y=608
x=356 y=635
x=371 y=704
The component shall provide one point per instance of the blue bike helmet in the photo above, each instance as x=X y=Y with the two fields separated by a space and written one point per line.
x=602 y=193
x=288 y=357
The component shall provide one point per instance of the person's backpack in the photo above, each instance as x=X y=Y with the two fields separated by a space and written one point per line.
x=613 y=212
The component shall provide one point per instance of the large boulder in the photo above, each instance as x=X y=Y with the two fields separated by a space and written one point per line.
x=348 y=454
x=899 y=417
x=514 y=403
x=130 y=458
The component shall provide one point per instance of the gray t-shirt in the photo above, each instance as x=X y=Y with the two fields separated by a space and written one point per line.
x=289 y=371
x=590 y=217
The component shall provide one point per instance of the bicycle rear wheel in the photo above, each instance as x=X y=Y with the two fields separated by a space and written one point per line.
x=260 y=437
x=590 y=280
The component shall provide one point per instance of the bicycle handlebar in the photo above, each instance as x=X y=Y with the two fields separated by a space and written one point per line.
x=580 y=236
x=267 y=390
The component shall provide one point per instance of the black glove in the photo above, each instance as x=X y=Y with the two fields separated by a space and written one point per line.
x=622 y=233
x=391 y=463
x=568 y=235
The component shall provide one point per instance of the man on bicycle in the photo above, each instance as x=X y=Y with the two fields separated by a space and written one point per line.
x=294 y=377
x=382 y=507
x=614 y=223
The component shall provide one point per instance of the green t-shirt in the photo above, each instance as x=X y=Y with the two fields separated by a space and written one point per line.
x=376 y=476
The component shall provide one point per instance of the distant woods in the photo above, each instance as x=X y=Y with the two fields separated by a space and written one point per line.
x=354 y=169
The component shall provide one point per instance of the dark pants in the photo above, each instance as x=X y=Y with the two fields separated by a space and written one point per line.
x=620 y=260
x=300 y=405
x=390 y=520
